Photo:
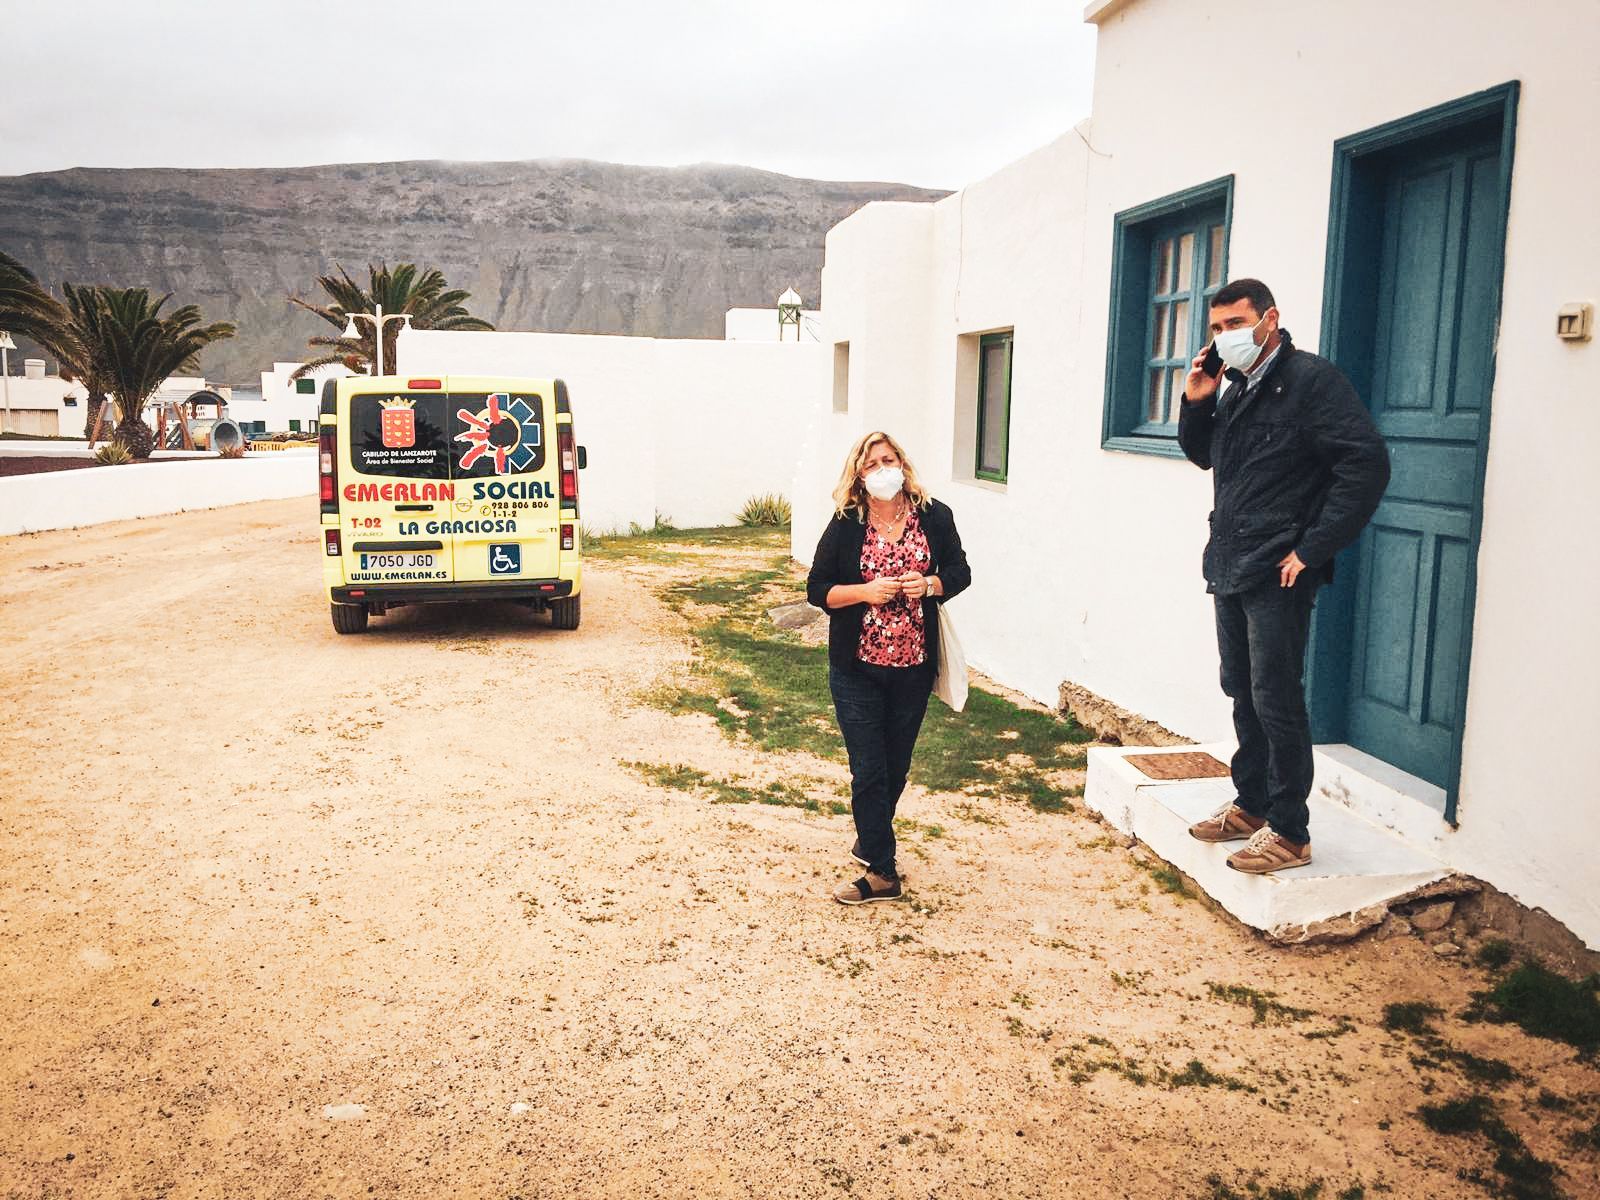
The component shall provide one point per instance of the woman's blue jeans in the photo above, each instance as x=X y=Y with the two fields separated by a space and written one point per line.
x=880 y=711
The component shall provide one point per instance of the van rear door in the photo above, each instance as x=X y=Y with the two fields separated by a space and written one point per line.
x=395 y=494
x=504 y=472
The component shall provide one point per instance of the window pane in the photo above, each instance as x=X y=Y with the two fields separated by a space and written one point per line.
x=1178 y=376
x=1214 y=258
x=1180 y=329
x=992 y=453
x=1163 y=267
x=1156 y=404
x=1185 y=262
x=1158 y=340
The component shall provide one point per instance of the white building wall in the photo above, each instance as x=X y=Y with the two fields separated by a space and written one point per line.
x=687 y=428
x=280 y=403
x=51 y=406
x=761 y=325
x=1087 y=563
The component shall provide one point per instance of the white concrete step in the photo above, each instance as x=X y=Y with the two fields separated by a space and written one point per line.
x=1357 y=868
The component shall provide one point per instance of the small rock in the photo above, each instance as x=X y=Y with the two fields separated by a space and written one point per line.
x=343 y=1112
x=1435 y=916
x=794 y=616
x=519 y=1108
x=1395 y=926
x=1446 y=949
x=156 y=1003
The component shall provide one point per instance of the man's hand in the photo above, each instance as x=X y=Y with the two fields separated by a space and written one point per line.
x=1197 y=385
x=880 y=591
x=1289 y=568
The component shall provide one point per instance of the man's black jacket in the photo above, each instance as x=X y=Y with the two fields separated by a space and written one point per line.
x=1297 y=464
x=838 y=561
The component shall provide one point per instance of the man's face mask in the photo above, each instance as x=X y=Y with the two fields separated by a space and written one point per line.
x=1238 y=348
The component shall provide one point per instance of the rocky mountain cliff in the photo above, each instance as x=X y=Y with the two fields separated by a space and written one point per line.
x=566 y=246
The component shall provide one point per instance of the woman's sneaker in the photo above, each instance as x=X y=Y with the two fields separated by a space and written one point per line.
x=868 y=888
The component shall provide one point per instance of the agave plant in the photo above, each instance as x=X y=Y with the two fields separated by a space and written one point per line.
x=125 y=344
x=424 y=294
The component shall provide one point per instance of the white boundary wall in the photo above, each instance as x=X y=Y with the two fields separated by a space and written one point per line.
x=93 y=495
x=687 y=428
x=1086 y=564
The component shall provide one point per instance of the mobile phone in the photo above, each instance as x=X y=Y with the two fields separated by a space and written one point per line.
x=1212 y=365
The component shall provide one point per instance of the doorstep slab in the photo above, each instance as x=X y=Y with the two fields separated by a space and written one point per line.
x=1357 y=868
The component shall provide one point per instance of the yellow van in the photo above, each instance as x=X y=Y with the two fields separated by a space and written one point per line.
x=449 y=488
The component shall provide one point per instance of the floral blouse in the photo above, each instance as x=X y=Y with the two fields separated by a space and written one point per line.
x=892 y=633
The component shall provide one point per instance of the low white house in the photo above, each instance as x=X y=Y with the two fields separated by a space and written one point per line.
x=40 y=404
x=284 y=405
x=1421 y=203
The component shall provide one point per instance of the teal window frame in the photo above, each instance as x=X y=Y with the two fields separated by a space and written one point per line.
x=1137 y=296
x=1006 y=338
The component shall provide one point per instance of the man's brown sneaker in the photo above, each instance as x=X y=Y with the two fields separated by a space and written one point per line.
x=1266 y=852
x=1230 y=823
x=868 y=888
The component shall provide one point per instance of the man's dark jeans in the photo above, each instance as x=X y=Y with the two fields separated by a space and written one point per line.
x=880 y=710
x=1261 y=637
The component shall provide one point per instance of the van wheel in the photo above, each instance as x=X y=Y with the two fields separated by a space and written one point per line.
x=349 y=618
x=564 y=613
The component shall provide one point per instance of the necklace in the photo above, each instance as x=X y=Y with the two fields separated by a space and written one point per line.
x=884 y=527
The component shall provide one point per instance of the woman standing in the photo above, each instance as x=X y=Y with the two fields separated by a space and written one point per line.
x=888 y=558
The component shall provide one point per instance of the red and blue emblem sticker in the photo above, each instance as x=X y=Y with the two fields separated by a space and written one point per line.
x=504 y=433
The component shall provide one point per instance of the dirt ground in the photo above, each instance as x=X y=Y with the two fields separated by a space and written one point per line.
x=285 y=914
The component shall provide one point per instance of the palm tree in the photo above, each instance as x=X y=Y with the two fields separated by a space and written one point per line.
x=130 y=348
x=28 y=309
x=432 y=303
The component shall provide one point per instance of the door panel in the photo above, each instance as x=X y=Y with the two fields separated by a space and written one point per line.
x=394 y=476
x=1433 y=349
x=507 y=528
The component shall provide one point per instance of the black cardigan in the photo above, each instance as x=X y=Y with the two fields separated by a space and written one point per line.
x=838 y=561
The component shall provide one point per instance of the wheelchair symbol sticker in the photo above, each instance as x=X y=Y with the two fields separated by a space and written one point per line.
x=505 y=559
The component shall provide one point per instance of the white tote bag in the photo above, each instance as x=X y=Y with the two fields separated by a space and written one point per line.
x=950 y=684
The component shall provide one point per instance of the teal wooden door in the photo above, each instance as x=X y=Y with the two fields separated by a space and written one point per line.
x=1437 y=302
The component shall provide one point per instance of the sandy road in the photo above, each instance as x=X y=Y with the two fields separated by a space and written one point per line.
x=250 y=870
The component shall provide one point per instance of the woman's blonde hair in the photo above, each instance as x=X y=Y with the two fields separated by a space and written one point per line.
x=850 y=497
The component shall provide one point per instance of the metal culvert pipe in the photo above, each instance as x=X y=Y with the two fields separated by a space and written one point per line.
x=224 y=435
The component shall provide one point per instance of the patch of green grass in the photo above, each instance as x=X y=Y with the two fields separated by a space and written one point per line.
x=1254 y=1189
x=1586 y=1139
x=1197 y=1074
x=1494 y=955
x=1265 y=1007
x=724 y=791
x=1545 y=1004
x=767 y=685
x=1523 y=1175
x=1168 y=878
x=1410 y=1016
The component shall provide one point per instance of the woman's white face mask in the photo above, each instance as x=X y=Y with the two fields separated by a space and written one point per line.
x=884 y=483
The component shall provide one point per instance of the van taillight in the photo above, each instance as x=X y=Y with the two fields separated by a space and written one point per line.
x=330 y=542
x=424 y=385
x=328 y=467
x=569 y=464
x=566 y=537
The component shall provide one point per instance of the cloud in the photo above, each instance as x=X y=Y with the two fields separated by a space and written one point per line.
x=935 y=93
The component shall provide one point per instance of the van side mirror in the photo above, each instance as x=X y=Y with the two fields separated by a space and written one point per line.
x=583 y=457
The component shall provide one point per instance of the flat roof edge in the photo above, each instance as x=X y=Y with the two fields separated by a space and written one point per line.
x=1098 y=11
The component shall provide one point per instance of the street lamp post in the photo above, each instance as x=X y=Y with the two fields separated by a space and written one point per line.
x=6 y=347
x=378 y=322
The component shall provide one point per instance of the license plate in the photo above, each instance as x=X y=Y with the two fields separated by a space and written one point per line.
x=397 y=562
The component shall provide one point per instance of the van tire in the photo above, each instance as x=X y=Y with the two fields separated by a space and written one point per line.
x=564 y=613
x=349 y=618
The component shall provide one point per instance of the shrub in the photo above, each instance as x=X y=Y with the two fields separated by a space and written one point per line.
x=113 y=454
x=768 y=509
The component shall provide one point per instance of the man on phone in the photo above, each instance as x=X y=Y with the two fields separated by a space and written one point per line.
x=1298 y=469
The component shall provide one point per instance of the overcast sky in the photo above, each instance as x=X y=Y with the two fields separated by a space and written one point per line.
x=937 y=92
